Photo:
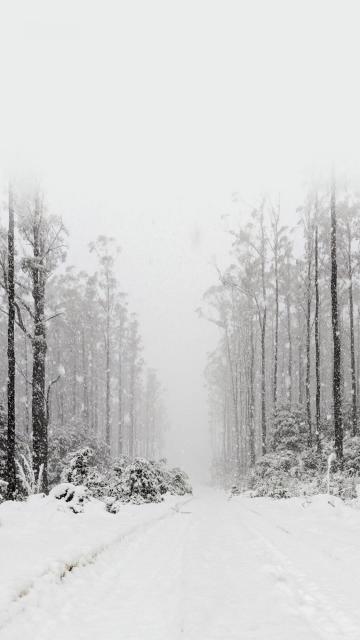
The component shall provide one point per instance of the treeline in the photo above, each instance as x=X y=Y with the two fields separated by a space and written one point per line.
x=288 y=307
x=74 y=367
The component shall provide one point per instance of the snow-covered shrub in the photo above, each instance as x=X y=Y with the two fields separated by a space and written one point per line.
x=67 y=439
x=120 y=463
x=274 y=474
x=80 y=470
x=310 y=463
x=164 y=475
x=179 y=483
x=112 y=505
x=78 y=466
x=144 y=481
x=3 y=488
x=71 y=496
x=289 y=431
x=351 y=463
x=275 y=486
x=139 y=483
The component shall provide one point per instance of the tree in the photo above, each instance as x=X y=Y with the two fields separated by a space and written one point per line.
x=349 y=231
x=44 y=236
x=106 y=250
x=317 y=332
x=135 y=366
x=337 y=399
x=11 y=466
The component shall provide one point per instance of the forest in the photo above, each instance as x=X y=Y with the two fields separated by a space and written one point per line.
x=79 y=403
x=283 y=381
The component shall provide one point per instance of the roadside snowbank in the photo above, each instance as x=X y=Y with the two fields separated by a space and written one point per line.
x=40 y=540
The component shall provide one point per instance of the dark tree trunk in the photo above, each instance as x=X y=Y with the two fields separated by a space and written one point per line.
x=11 y=467
x=338 y=422
x=308 y=337
x=317 y=344
x=352 y=340
x=39 y=423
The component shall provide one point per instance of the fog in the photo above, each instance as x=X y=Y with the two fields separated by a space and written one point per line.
x=143 y=120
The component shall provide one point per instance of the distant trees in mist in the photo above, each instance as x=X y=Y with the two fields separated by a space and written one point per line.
x=288 y=310
x=74 y=351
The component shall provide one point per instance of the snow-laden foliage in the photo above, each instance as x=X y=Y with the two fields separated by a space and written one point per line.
x=136 y=481
x=31 y=484
x=140 y=482
x=78 y=465
x=81 y=469
x=179 y=482
x=71 y=496
x=302 y=470
x=288 y=430
x=64 y=441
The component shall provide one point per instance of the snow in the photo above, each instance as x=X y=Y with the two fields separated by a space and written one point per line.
x=209 y=568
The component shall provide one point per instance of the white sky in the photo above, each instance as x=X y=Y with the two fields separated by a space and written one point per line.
x=142 y=117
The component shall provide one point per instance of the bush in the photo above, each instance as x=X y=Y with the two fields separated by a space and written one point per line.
x=81 y=470
x=65 y=440
x=139 y=483
x=351 y=465
x=179 y=482
x=284 y=473
x=273 y=487
x=289 y=431
x=71 y=496
x=78 y=466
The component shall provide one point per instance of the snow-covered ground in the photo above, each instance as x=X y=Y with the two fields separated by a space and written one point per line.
x=200 y=569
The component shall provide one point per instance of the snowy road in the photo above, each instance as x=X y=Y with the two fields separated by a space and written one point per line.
x=216 y=569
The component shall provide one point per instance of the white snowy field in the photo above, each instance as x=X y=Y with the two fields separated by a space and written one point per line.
x=203 y=568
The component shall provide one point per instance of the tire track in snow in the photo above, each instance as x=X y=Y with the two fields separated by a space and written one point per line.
x=51 y=578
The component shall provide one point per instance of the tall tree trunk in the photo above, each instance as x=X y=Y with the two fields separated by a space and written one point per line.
x=308 y=337
x=27 y=395
x=263 y=340
x=39 y=426
x=107 y=401
x=301 y=371
x=234 y=401
x=309 y=249
x=252 y=395
x=132 y=412
x=85 y=380
x=11 y=467
x=338 y=422
x=276 y=336
x=289 y=384
x=317 y=344
x=120 y=390
x=352 y=339
x=263 y=383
